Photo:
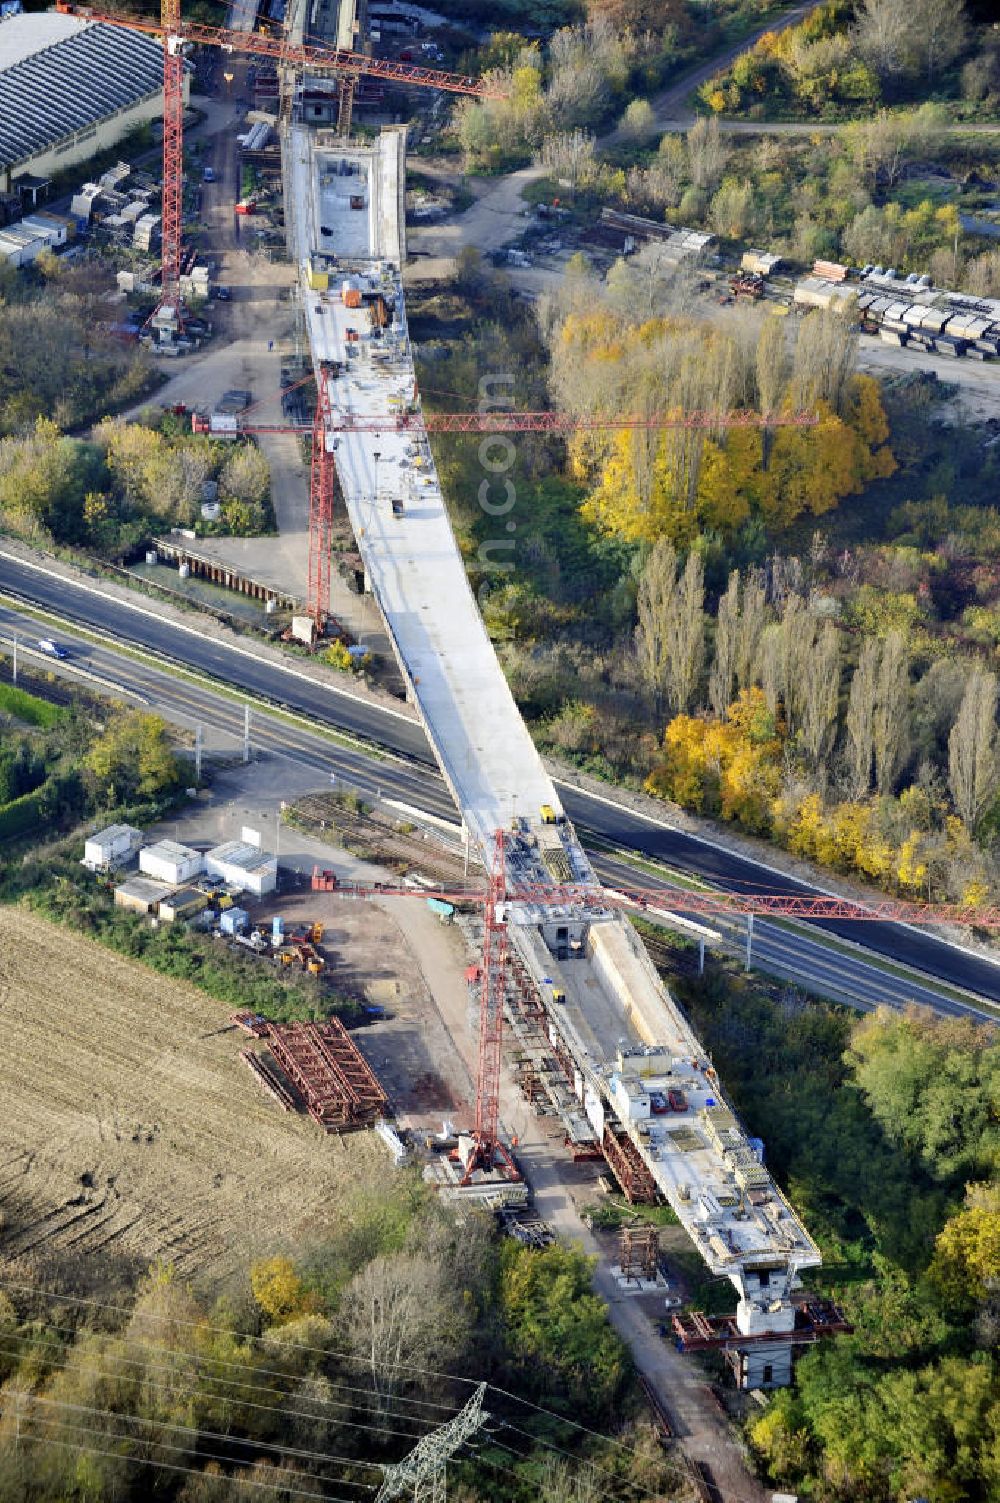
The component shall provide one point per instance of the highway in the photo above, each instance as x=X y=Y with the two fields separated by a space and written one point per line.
x=421 y=785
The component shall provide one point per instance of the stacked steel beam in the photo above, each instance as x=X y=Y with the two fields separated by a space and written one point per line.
x=327 y=1069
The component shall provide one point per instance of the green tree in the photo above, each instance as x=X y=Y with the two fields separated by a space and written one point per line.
x=133 y=757
x=966 y=1263
x=244 y=487
x=43 y=481
x=557 y=1328
x=934 y=1086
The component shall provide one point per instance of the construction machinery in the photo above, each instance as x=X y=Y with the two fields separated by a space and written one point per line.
x=490 y=978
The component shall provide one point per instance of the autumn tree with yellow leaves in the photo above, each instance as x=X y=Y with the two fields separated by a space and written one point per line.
x=731 y=768
x=675 y=483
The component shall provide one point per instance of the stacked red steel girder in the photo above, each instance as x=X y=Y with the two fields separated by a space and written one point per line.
x=326 y=1068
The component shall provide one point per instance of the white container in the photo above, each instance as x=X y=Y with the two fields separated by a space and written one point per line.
x=168 y=861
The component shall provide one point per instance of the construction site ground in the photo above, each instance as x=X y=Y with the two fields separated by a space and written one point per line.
x=373 y=954
x=394 y=953
x=253 y=333
x=132 y=1132
x=400 y=941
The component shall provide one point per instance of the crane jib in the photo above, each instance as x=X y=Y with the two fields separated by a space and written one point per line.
x=255 y=44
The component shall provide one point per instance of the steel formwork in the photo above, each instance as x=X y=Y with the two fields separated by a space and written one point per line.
x=268 y=1079
x=629 y=1168
x=322 y=1062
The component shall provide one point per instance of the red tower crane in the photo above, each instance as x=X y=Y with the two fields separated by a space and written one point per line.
x=322 y=488
x=487 y=1145
x=327 y=422
x=176 y=34
x=489 y=1151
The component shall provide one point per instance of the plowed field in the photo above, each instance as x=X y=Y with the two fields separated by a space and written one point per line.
x=129 y=1126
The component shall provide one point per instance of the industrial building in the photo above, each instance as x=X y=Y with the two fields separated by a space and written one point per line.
x=142 y=895
x=184 y=904
x=69 y=89
x=23 y=242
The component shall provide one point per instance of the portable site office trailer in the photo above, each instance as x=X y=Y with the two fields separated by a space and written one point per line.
x=170 y=862
x=114 y=846
x=244 y=867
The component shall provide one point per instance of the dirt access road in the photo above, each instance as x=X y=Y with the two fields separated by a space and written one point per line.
x=427 y=1055
x=496 y=218
x=560 y=1189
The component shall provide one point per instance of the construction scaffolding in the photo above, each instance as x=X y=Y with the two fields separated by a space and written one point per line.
x=640 y=1252
x=814 y=1319
x=629 y=1168
x=327 y=1070
x=268 y=1079
x=545 y=1076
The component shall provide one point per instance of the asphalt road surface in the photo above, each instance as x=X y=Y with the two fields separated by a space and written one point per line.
x=421 y=785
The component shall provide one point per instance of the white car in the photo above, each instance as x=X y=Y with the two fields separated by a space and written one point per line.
x=52 y=649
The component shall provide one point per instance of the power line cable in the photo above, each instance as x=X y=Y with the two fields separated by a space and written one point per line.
x=408 y=1435
x=395 y=1367
x=167 y=1466
x=208 y=1360
x=249 y=1336
x=199 y=1434
x=165 y=1445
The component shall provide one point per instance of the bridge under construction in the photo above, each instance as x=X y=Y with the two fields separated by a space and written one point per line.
x=645 y=1089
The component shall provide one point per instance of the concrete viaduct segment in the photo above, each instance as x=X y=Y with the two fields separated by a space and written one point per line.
x=606 y=1011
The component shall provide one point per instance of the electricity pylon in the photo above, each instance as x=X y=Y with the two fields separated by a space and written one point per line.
x=421 y=1475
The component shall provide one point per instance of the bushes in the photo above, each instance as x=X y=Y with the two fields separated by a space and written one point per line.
x=561 y=1343
x=28 y=707
x=22 y=814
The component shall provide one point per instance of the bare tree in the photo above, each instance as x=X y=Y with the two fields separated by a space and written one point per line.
x=820 y=697
x=891 y=721
x=569 y=155
x=638 y=121
x=753 y=611
x=402 y=1311
x=727 y=627
x=686 y=634
x=881 y=33
x=770 y=666
x=973 y=763
x=902 y=37
x=798 y=632
x=824 y=359
x=707 y=153
x=586 y=64
x=880 y=144
x=772 y=364
x=654 y=602
x=665 y=175
x=861 y=718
